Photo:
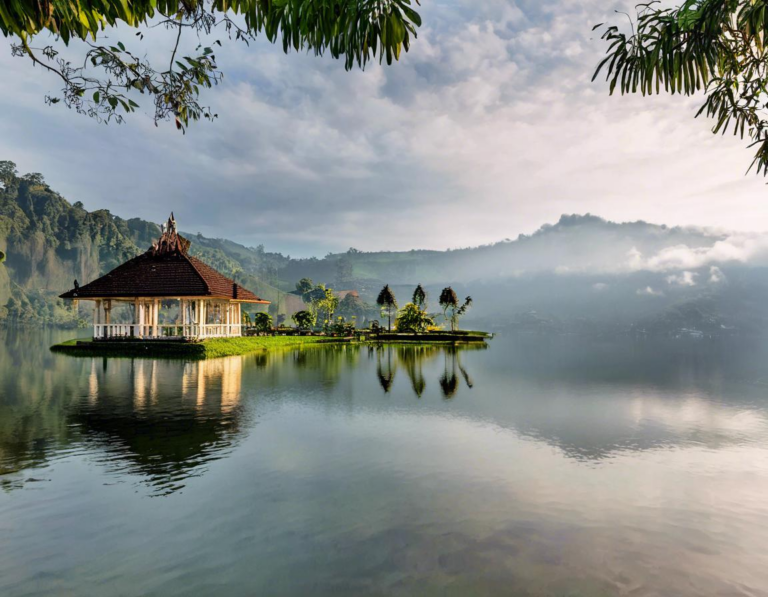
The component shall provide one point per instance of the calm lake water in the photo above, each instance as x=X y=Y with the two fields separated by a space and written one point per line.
x=540 y=466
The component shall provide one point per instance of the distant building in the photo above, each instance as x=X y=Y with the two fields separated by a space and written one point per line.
x=342 y=294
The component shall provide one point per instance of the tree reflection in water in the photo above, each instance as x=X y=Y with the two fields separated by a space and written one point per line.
x=164 y=421
x=412 y=358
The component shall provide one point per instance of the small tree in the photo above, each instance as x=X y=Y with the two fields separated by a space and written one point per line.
x=420 y=298
x=329 y=304
x=351 y=306
x=303 y=286
x=315 y=297
x=262 y=322
x=412 y=319
x=304 y=320
x=450 y=303
x=388 y=303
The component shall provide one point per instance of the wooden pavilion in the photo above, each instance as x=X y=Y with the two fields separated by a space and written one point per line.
x=209 y=303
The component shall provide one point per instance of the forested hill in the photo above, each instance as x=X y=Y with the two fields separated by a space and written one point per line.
x=48 y=242
x=582 y=272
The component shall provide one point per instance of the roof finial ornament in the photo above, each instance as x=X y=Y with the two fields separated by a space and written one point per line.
x=170 y=240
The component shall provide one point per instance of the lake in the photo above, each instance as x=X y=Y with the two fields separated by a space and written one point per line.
x=541 y=466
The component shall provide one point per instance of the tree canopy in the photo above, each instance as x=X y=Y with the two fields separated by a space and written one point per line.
x=420 y=297
x=304 y=320
x=449 y=301
x=388 y=303
x=102 y=85
x=717 y=47
x=413 y=319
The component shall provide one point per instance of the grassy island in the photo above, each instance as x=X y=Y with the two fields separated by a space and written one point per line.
x=205 y=349
x=224 y=347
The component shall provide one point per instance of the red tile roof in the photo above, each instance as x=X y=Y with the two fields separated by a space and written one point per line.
x=168 y=272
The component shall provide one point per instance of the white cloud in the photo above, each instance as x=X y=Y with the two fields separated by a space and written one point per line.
x=648 y=291
x=682 y=279
x=487 y=128
x=735 y=248
x=716 y=276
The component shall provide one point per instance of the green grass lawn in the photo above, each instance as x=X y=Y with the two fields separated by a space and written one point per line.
x=225 y=347
x=207 y=349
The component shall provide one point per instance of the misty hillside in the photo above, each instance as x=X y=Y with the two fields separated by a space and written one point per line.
x=582 y=273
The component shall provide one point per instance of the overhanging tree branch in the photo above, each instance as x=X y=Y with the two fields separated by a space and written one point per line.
x=713 y=47
x=356 y=30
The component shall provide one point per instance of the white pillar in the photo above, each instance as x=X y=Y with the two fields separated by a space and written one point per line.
x=96 y=318
x=136 y=317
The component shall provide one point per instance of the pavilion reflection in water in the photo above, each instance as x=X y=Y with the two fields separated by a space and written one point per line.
x=161 y=420
x=165 y=420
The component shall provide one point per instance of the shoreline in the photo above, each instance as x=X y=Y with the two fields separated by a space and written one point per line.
x=224 y=347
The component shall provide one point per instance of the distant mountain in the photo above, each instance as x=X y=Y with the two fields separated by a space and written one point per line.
x=582 y=274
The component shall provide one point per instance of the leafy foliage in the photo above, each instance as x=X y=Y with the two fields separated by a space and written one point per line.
x=388 y=303
x=304 y=320
x=262 y=322
x=449 y=301
x=412 y=318
x=303 y=287
x=342 y=328
x=420 y=297
x=355 y=30
x=352 y=306
x=714 y=46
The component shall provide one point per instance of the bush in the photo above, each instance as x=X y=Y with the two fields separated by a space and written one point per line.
x=412 y=319
x=304 y=320
x=342 y=327
x=262 y=322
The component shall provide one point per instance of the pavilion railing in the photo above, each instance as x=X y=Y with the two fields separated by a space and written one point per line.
x=103 y=331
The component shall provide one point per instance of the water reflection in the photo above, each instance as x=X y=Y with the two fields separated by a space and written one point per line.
x=537 y=467
x=412 y=359
x=161 y=420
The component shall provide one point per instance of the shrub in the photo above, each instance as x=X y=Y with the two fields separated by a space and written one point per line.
x=412 y=319
x=262 y=322
x=304 y=320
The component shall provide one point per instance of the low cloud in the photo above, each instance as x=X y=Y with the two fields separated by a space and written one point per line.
x=682 y=279
x=734 y=248
x=716 y=276
x=648 y=291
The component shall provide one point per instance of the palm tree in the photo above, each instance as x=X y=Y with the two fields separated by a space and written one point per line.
x=420 y=297
x=388 y=302
x=449 y=300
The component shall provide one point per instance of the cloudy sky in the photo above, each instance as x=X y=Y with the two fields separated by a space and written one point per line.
x=489 y=127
